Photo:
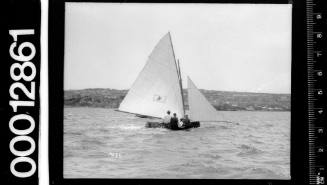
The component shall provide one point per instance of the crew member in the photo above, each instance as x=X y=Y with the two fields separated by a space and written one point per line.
x=166 y=119
x=174 y=122
x=186 y=121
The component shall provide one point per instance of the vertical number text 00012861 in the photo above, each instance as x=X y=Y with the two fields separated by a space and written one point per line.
x=17 y=74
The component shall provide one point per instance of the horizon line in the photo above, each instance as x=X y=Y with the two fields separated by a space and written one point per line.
x=183 y=89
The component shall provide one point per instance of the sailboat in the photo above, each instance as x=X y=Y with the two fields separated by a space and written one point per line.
x=158 y=88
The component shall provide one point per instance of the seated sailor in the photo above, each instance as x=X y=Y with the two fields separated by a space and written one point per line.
x=186 y=121
x=174 y=122
x=167 y=117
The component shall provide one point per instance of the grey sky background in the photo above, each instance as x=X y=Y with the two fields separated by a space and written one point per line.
x=230 y=47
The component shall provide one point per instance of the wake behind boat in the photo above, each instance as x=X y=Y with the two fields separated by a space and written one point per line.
x=158 y=89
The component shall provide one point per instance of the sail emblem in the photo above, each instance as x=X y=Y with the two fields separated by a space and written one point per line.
x=158 y=98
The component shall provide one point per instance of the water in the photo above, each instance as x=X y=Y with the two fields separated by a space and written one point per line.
x=103 y=143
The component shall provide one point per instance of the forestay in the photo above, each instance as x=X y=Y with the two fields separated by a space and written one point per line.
x=157 y=88
x=199 y=107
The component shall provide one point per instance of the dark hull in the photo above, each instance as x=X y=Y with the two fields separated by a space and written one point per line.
x=194 y=124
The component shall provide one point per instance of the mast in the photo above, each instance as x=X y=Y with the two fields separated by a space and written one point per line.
x=178 y=72
x=180 y=83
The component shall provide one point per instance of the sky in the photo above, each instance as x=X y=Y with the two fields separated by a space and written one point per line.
x=225 y=47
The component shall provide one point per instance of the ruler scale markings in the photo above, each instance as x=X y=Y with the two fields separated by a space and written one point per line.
x=313 y=37
x=310 y=83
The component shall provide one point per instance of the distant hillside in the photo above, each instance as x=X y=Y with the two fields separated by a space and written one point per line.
x=221 y=100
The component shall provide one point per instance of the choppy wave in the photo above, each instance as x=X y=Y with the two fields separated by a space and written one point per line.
x=210 y=156
x=216 y=127
x=248 y=150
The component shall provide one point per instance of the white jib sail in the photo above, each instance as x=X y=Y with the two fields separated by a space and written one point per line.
x=199 y=107
x=157 y=88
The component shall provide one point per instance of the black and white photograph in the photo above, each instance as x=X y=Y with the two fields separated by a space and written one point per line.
x=177 y=91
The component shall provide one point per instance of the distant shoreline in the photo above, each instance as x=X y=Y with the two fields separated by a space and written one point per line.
x=221 y=100
x=68 y=106
x=184 y=89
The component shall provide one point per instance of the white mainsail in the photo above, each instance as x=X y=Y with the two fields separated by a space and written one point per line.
x=157 y=88
x=199 y=107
